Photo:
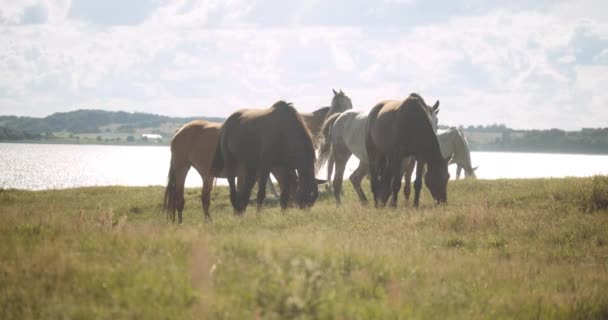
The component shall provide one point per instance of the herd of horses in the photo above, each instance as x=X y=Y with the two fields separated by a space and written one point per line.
x=389 y=140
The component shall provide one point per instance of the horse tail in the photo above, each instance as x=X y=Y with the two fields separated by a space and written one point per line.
x=325 y=148
x=169 y=205
x=218 y=159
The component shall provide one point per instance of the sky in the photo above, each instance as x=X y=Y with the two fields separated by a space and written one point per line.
x=527 y=64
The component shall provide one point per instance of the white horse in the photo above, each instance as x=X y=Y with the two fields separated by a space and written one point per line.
x=343 y=136
x=453 y=142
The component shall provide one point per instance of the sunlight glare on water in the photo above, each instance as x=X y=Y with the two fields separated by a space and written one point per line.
x=45 y=166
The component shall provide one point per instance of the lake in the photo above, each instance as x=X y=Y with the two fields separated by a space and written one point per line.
x=48 y=166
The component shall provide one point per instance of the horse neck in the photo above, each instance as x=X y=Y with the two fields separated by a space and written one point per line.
x=299 y=151
x=338 y=107
x=431 y=150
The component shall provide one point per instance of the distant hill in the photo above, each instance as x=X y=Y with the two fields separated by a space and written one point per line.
x=501 y=138
x=119 y=127
x=90 y=122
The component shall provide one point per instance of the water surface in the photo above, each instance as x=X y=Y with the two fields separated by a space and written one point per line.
x=46 y=166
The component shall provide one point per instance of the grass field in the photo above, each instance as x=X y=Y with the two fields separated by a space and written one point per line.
x=516 y=249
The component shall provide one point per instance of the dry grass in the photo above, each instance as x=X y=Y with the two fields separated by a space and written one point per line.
x=500 y=249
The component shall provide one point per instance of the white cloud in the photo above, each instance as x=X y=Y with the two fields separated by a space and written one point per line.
x=194 y=57
x=33 y=11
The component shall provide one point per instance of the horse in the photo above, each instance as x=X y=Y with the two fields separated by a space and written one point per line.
x=343 y=136
x=395 y=131
x=452 y=143
x=314 y=120
x=193 y=145
x=258 y=140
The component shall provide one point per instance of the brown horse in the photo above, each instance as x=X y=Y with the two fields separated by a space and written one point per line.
x=395 y=131
x=193 y=145
x=257 y=140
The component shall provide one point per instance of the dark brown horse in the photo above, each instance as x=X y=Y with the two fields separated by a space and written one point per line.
x=257 y=140
x=193 y=145
x=395 y=131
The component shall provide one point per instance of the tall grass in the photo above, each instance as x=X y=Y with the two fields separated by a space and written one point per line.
x=593 y=195
x=499 y=249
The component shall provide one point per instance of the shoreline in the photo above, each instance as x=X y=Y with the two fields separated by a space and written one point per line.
x=168 y=143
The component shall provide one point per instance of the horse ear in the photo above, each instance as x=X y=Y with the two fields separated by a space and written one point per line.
x=342 y=93
x=436 y=106
x=335 y=93
x=475 y=168
x=320 y=181
x=436 y=111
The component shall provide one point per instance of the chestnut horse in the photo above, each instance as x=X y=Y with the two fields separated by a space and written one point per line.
x=257 y=140
x=395 y=131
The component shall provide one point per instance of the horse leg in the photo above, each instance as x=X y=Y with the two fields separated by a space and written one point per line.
x=247 y=186
x=356 y=177
x=206 y=195
x=232 y=172
x=376 y=171
x=409 y=169
x=385 y=180
x=418 y=183
x=180 y=181
x=340 y=160
x=285 y=179
x=263 y=178
x=458 y=171
x=396 y=173
x=234 y=196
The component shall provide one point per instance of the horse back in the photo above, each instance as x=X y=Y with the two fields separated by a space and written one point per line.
x=383 y=125
x=314 y=120
x=195 y=143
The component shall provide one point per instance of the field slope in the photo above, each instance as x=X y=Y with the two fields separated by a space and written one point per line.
x=500 y=249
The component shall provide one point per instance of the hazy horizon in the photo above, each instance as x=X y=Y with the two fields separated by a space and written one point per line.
x=212 y=116
x=525 y=64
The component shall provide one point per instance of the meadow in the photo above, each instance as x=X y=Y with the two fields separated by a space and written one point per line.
x=499 y=249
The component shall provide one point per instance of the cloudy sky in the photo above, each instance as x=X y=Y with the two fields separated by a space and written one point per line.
x=527 y=64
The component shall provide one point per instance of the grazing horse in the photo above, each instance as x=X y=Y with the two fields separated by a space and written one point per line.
x=314 y=120
x=343 y=136
x=258 y=140
x=452 y=143
x=395 y=131
x=193 y=145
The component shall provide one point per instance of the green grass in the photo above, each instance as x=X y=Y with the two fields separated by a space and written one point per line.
x=500 y=249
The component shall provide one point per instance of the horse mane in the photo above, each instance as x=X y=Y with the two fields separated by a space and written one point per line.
x=427 y=108
x=286 y=109
x=413 y=104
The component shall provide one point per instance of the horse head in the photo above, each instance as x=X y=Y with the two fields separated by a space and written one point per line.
x=436 y=179
x=307 y=192
x=339 y=103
